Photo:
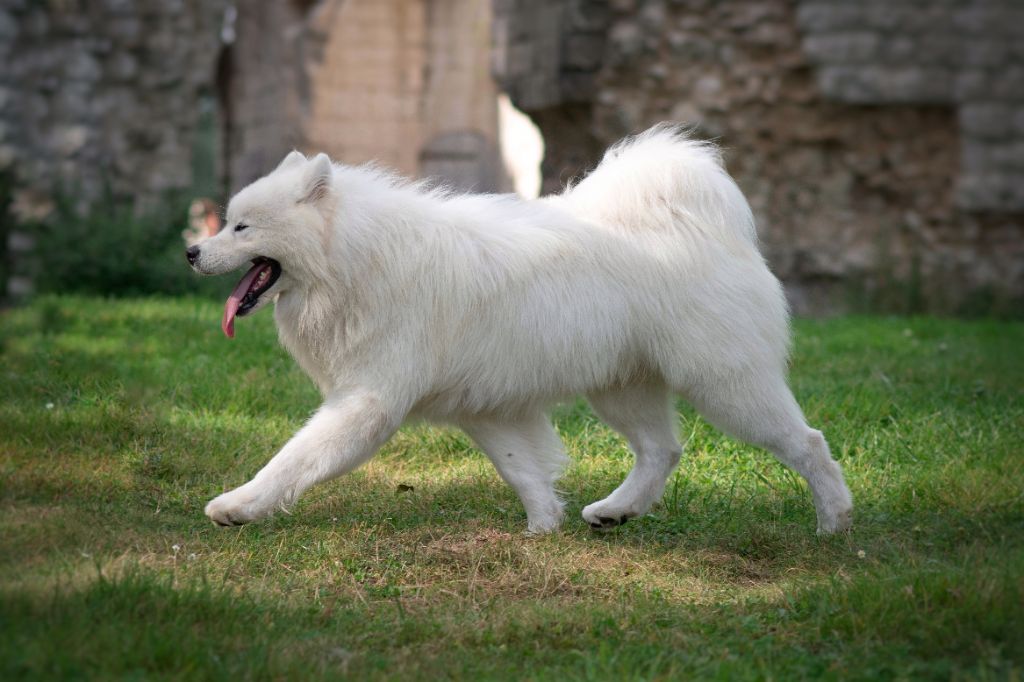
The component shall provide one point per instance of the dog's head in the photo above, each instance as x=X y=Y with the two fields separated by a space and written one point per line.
x=279 y=224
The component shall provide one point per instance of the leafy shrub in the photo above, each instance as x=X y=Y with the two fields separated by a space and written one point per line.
x=115 y=251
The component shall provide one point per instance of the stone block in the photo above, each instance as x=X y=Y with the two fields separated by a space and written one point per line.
x=690 y=47
x=987 y=120
x=827 y=16
x=743 y=16
x=82 y=66
x=988 y=191
x=587 y=16
x=576 y=87
x=847 y=84
x=584 y=51
x=1007 y=157
x=769 y=34
x=990 y=19
x=1008 y=84
x=877 y=85
x=35 y=24
x=69 y=140
x=626 y=41
x=8 y=27
x=991 y=53
x=897 y=49
x=973 y=84
x=19 y=287
x=653 y=15
x=20 y=242
x=122 y=66
x=117 y=7
x=842 y=48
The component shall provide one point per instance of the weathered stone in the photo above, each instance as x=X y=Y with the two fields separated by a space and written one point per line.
x=973 y=84
x=840 y=121
x=627 y=39
x=827 y=16
x=984 y=53
x=993 y=120
x=73 y=123
x=1008 y=84
x=842 y=48
x=69 y=140
x=81 y=66
x=8 y=27
x=122 y=66
x=652 y=15
x=584 y=51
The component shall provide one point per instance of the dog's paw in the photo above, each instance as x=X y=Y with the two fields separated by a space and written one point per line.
x=602 y=516
x=835 y=521
x=835 y=512
x=547 y=522
x=238 y=506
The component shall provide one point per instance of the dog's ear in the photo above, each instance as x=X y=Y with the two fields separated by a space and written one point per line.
x=318 y=179
x=294 y=158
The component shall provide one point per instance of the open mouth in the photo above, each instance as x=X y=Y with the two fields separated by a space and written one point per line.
x=254 y=283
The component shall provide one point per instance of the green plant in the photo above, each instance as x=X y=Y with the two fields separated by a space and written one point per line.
x=113 y=250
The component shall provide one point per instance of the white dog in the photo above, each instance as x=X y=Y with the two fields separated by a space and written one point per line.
x=641 y=282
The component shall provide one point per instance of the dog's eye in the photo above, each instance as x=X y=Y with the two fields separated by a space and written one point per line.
x=241 y=226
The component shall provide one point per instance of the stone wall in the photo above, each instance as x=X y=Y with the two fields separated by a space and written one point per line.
x=128 y=100
x=105 y=98
x=102 y=96
x=100 y=100
x=881 y=144
x=892 y=195
x=263 y=87
x=966 y=54
x=405 y=83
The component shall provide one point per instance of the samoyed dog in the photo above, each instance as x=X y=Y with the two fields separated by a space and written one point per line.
x=640 y=283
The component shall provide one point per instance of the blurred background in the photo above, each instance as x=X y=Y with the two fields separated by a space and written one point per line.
x=881 y=144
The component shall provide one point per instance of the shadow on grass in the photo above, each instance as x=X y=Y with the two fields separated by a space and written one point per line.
x=138 y=474
x=917 y=622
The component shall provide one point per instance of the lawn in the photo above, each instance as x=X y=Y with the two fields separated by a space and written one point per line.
x=120 y=419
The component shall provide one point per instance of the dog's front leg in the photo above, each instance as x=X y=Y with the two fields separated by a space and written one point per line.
x=344 y=433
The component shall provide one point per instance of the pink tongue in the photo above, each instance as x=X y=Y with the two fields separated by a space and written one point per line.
x=227 y=323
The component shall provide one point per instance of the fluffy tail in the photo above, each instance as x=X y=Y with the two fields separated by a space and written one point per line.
x=660 y=180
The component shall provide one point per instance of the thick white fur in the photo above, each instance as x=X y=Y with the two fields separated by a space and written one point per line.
x=641 y=282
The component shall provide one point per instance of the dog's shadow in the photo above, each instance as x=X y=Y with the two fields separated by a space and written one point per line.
x=470 y=508
x=757 y=538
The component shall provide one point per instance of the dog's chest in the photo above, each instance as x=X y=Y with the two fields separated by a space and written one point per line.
x=306 y=346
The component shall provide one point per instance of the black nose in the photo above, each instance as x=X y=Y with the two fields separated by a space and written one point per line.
x=192 y=253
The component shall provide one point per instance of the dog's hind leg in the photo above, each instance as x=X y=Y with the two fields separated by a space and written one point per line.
x=529 y=455
x=644 y=415
x=760 y=409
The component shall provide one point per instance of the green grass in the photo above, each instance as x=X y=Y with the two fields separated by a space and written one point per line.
x=119 y=420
